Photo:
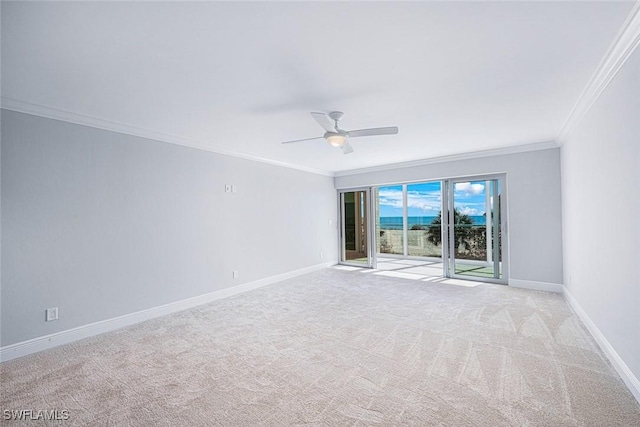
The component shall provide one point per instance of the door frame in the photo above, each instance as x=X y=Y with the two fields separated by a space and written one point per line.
x=369 y=226
x=448 y=255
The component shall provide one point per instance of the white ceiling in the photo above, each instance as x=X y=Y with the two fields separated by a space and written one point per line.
x=455 y=77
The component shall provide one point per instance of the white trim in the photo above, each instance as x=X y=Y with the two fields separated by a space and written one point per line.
x=35 y=345
x=536 y=286
x=83 y=120
x=623 y=370
x=545 y=145
x=619 y=51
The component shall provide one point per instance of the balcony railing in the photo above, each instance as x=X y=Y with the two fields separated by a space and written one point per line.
x=471 y=242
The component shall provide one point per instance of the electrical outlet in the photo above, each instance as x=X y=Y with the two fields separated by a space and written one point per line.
x=235 y=274
x=233 y=188
x=321 y=255
x=227 y=188
x=52 y=314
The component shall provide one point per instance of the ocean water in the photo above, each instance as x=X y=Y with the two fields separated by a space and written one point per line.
x=395 y=222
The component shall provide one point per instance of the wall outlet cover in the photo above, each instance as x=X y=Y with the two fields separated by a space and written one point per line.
x=51 y=314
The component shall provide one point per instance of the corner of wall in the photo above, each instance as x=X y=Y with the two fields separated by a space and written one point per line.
x=620 y=366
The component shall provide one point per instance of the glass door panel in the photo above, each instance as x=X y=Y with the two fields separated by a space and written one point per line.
x=354 y=233
x=390 y=220
x=475 y=245
x=424 y=221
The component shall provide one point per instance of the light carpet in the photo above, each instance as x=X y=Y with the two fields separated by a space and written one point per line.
x=336 y=347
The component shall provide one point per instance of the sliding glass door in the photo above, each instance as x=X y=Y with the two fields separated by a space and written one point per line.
x=355 y=234
x=456 y=226
x=475 y=224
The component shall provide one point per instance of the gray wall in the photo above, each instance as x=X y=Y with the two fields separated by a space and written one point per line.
x=601 y=202
x=534 y=204
x=102 y=224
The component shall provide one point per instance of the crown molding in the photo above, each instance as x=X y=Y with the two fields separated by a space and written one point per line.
x=94 y=122
x=84 y=120
x=515 y=149
x=619 y=51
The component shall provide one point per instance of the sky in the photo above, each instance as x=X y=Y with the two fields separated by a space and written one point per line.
x=426 y=200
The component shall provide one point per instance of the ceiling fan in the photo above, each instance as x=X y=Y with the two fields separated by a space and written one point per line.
x=337 y=137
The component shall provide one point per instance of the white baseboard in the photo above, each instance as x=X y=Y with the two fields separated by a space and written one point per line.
x=623 y=370
x=35 y=345
x=536 y=286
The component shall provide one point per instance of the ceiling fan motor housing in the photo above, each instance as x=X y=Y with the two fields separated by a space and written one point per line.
x=339 y=137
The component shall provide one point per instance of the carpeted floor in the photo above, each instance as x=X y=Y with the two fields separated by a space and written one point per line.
x=335 y=347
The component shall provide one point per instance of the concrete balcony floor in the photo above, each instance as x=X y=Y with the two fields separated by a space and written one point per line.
x=412 y=269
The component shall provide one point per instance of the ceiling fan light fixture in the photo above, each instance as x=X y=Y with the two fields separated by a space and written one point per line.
x=336 y=140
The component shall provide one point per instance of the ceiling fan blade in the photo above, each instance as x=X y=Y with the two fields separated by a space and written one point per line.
x=302 y=140
x=347 y=148
x=325 y=121
x=373 y=132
